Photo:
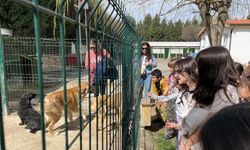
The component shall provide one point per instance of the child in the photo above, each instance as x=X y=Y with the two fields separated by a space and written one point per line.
x=159 y=87
x=216 y=88
x=246 y=71
x=239 y=68
x=186 y=75
x=244 y=88
x=171 y=70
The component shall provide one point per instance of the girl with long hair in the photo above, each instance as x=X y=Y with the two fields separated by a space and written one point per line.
x=216 y=88
x=185 y=72
x=148 y=63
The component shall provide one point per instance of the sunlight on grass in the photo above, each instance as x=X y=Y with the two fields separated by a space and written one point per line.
x=162 y=144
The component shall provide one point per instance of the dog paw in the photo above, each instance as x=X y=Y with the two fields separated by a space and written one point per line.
x=33 y=131
x=21 y=123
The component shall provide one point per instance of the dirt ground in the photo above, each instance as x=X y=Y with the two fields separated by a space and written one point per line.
x=16 y=137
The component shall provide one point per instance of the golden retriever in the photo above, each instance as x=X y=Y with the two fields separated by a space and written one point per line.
x=54 y=105
x=109 y=102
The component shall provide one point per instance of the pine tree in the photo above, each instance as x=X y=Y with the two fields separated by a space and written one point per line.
x=19 y=18
x=155 y=26
x=162 y=30
x=146 y=28
x=178 y=30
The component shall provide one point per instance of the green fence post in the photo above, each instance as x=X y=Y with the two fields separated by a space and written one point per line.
x=98 y=23
x=80 y=7
x=39 y=66
x=61 y=24
x=4 y=98
x=3 y=103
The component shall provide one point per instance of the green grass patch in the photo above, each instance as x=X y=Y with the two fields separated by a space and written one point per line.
x=163 y=144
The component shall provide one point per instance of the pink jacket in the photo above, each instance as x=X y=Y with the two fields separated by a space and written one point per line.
x=93 y=61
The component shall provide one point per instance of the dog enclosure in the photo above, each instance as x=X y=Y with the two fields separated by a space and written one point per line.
x=42 y=62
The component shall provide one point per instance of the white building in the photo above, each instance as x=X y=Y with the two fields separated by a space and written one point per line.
x=236 y=38
x=173 y=49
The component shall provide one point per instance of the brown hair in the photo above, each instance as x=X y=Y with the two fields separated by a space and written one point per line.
x=245 y=81
x=239 y=68
x=172 y=62
x=149 y=55
x=246 y=71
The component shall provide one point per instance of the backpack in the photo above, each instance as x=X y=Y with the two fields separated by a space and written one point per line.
x=105 y=69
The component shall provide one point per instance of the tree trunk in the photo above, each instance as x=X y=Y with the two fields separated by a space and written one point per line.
x=216 y=34
x=215 y=24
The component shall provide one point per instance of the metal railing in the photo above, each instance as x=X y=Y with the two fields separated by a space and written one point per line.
x=44 y=64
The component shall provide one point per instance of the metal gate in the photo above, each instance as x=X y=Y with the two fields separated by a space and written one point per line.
x=43 y=65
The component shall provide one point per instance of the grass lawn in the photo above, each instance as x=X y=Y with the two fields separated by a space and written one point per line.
x=162 y=144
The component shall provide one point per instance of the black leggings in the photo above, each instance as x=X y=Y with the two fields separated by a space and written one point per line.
x=99 y=88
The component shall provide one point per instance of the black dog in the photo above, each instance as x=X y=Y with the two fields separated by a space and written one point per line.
x=28 y=114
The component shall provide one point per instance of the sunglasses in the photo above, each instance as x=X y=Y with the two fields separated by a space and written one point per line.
x=144 y=48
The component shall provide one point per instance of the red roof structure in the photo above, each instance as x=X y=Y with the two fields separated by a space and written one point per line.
x=242 y=22
x=238 y=22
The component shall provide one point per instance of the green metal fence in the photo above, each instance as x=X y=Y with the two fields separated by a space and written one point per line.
x=45 y=64
x=21 y=67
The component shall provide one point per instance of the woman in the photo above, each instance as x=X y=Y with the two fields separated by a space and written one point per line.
x=148 y=63
x=216 y=88
x=186 y=75
x=216 y=74
x=95 y=49
x=228 y=129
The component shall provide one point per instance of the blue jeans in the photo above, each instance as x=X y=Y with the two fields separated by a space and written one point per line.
x=146 y=86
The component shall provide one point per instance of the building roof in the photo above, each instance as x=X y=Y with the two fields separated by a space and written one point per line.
x=174 y=44
x=238 y=22
x=229 y=23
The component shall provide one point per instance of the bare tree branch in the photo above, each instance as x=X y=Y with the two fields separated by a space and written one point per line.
x=179 y=5
x=213 y=13
x=163 y=2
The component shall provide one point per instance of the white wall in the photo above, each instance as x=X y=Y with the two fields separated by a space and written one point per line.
x=240 y=46
x=204 y=42
x=240 y=42
x=225 y=41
